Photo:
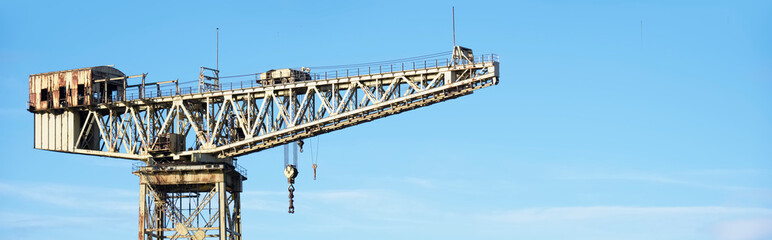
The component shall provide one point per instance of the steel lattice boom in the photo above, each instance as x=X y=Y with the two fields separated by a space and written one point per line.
x=228 y=123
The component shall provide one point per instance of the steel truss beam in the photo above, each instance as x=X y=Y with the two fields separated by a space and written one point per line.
x=235 y=122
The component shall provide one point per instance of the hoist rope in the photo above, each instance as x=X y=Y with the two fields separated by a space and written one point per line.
x=316 y=160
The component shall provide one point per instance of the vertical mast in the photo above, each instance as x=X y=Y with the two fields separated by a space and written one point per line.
x=217 y=54
x=454 y=25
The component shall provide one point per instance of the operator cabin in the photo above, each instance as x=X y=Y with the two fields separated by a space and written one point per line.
x=53 y=95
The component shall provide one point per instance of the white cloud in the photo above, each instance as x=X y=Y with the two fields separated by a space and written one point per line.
x=420 y=182
x=73 y=196
x=653 y=178
x=381 y=211
x=25 y=220
x=629 y=222
x=601 y=212
x=745 y=229
x=355 y=208
x=370 y=203
x=338 y=195
x=728 y=172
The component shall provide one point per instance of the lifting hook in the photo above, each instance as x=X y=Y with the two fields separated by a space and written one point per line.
x=291 y=172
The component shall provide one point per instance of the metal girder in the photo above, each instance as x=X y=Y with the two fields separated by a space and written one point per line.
x=190 y=202
x=235 y=122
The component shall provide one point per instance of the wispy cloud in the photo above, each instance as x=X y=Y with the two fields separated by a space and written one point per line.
x=25 y=220
x=72 y=196
x=371 y=203
x=344 y=206
x=599 y=212
x=656 y=178
x=745 y=229
x=631 y=222
x=728 y=172
x=422 y=182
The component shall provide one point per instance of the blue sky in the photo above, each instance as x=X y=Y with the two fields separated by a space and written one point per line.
x=597 y=130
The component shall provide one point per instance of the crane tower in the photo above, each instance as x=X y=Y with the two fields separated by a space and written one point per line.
x=189 y=137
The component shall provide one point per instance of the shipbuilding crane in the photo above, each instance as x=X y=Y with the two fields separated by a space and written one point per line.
x=189 y=137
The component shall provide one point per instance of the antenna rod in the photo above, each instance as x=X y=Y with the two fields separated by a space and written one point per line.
x=217 y=56
x=454 y=26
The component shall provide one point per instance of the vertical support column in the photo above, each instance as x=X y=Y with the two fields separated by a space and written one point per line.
x=123 y=96
x=104 y=94
x=159 y=213
x=209 y=124
x=142 y=89
x=223 y=205
x=237 y=213
x=142 y=209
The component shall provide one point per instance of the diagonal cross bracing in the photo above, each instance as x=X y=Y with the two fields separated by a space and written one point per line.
x=240 y=121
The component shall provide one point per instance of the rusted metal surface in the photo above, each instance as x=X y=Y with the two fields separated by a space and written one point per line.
x=168 y=143
x=142 y=209
x=182 y=178
x=191 y=175
x=190 y=202
x=76 y=87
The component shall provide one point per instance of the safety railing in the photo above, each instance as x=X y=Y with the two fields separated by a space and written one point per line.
x=240 y=169
x=136 y=165
x=330 y=72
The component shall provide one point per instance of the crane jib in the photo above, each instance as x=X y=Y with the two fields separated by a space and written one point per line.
x=230 y=123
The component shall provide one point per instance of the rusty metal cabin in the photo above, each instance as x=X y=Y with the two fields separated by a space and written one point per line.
x=77 y=87
x=53 y=95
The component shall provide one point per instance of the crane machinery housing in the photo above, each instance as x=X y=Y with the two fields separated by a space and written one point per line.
x=189 y=137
